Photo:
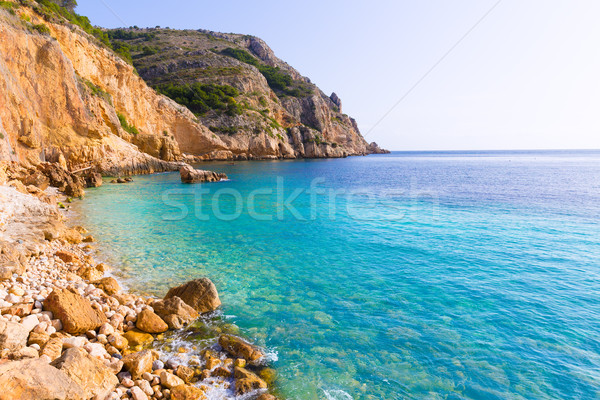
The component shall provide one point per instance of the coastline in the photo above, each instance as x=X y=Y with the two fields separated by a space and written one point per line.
x=68 y=324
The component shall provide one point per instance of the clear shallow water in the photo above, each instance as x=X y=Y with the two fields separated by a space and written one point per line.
x=435 y=276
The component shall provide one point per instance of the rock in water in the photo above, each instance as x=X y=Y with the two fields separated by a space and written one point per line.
x=91 y=374
x=191 y=175
x=247 y=381
x=200 y=294
x=240 y=348
x=36 y=379
x=174 y=312
x=74 y=311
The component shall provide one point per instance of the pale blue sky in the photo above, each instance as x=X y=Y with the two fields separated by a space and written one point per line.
x=527 y=77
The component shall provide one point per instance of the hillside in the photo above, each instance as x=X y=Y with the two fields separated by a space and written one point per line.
x=70 y=93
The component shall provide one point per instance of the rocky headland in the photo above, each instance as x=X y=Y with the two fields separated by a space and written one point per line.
x=134 y=101
x=68 y=331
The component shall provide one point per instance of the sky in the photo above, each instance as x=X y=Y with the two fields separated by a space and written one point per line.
x=527 y=76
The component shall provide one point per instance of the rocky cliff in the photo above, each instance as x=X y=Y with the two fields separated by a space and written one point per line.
x=66 y=97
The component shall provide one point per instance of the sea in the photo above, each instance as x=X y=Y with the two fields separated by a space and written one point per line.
x=411 y=275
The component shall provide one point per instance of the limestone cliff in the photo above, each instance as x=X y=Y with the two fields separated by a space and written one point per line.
x=65 y=97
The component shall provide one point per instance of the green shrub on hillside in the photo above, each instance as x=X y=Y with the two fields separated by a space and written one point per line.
x=7 y=5
x=201 y=97
x=277 y=79
x=128 y=128
x=41 y=28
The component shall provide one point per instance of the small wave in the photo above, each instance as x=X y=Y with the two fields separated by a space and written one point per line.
x=337 y=395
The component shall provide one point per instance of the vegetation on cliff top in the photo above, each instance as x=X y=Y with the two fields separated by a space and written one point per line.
x=200 y=98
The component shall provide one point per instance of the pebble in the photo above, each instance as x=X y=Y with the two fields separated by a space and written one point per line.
x=157 y=364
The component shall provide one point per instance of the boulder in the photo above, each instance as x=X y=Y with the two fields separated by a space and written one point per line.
x=185 y=373
x=90 y=273
x=109 y=285
x=91 y=374
x=190 y=175
x=239 y=348
x=246 y=381
x=200 y=294
x=35 y=379
x=138 y=363
x=74 y=311
x=148 y=321
x=93 y=179
x=187 y=392
x=62 y=179
x=175 y=312
x=13 y=336
x=169 y=380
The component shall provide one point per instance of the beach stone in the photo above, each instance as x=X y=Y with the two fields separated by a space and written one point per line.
x=222 y=372
x=13 y=336
x=90 y=273
x=169 y=380
x=74 y=311
x=72 y=236
x=109 y=285
x=187 y=392
x=96 y=350
x=35 y=379
x=239 y=348
x=138 y=363
x=200 y=294
x=52 y=348
x=185 y=373
x=30 y=322
x=25 y=352
x=92 y=375
x=19 y=309
x=247 y=381
x=138 y=394
x=157 y=364
x=67 y=256
x=118 y=341
x=148 y=321
x=39 y=338
x=74 y=341
x=136 y=338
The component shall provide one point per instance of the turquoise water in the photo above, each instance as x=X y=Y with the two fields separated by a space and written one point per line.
x=427 y=276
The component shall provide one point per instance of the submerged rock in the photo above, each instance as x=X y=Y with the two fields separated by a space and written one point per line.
x=239 y=348
x=200 y=294
x=190 y=175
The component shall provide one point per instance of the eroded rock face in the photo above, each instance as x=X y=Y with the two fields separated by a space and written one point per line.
x=88 y=372
x=74 y=311
x=190 y=175
x=35 y=379
x=239 y=348
x=200 y=294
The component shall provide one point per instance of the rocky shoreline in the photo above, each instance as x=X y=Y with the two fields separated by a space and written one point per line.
x=67 y=329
